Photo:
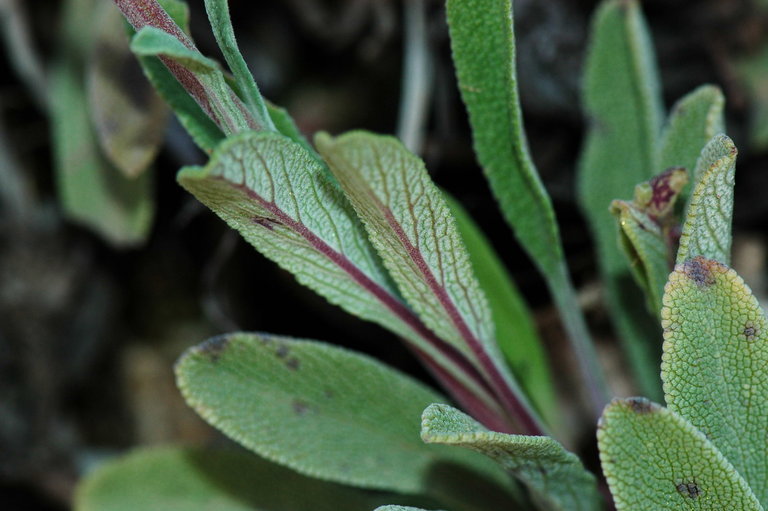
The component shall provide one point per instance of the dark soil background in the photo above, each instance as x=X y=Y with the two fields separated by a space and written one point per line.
x=89 y=333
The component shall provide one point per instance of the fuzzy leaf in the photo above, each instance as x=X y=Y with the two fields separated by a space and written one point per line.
x=555 y=478
x=707 y=227
x=218 y=15
x=91 y=191
x=655 y=460
x=170 y=478
x=410 y=225
x=623 y=105
x=515 y=330
x=483 y=45
x=694 y=120
x=646 y=231
x=129 y=117
x=321 y=410
x=283 y=202
x=715 y=364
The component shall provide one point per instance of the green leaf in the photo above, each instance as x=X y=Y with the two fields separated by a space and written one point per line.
x=91 y=191
x=655 y=460
x=694 y=120
x=285 y=124
x=129 y=117
x=410 y=225
x=707 y=227
x=623 y=105
x=283 y=201
x=172 y=478
x=218 y=16
x=321 y=410
x=647 y=227
x=555 y=478
x=715 y=364
x=515 y=330
x=398 y=508
x=483 y=45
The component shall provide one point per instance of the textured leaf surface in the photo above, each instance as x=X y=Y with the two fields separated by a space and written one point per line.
x=515 y=330
x=715 y=364
x=283 y=202
x=694 y=120
x=170 y=478
x=623 y=106
x=555 y=478
x=655 y=460
x=483 y=45
x=91 y=191
x=409 y=223
x=129 y=117
x=647 y=227
x=321 y=410
x=707 y=227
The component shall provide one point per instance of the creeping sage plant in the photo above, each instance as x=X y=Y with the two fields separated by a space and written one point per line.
x=357 y=219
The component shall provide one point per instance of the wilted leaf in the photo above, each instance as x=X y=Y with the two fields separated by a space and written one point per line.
x=655 y=460
x=410 y=225
x=623 y=106
x=129 y=117
x=555 y=478
x=321 y=410
x=715 y=364
x=707 y=227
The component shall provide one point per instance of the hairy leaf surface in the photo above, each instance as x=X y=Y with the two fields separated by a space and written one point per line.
x=409 y=223
x=715 y=364
x=655 y=460
x=556 y=479
x=171 y=478
x=623 y=107
x=321 y=410
x=707 y=227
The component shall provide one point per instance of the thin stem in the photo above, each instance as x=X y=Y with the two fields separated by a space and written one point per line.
x=416 y=82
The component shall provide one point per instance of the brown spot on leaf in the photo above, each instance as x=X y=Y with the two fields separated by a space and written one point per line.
x=214 y=347
x=282 y=351
x=640 y=405
x=329 y=394
x=750 y=331
x=688 y=489
x=266 y=222
x=300 y=407
x=699 y=269
x=292 y=363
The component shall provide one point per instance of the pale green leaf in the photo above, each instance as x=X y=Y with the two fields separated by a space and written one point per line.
x=515 y=330
x=219 y=101
x=410 y=225
x=622 y=103
x=283 y=202
x=692 y=123
x=647 y=227
x=655 y=460
x=186 y=479
x=321 y=410
x=715 y=364
x=91 y=191
x=398 y=508
x=483 y=45
x=707 y=226
x=285 y=124
x=218 y=16
x=555 y=478
x=128 y=115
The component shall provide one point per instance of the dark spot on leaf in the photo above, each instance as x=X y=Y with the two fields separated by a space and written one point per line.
x=329 y=394
x=282 y=351
x=292 y=363
x=214 y=347
x=266 y=222
x=750 y=331
x=300 y=407
x=640 y=405
x=688 y=489
x=699 y=270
